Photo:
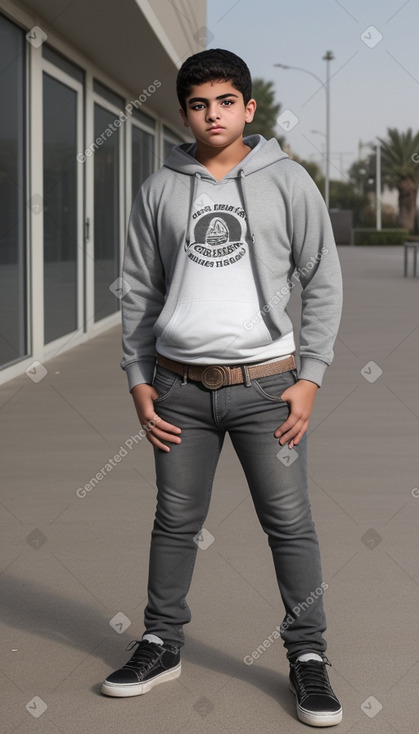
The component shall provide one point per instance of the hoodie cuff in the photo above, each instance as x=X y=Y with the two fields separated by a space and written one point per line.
x=312 y=370
x=139 y=373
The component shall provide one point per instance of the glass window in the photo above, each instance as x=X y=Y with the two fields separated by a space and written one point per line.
x=13 y=305
x=143 y=151
x=145 y=119
x=108 y=94
x=60 y=208
x=106 y=211
x=62 y=63
x=169 y=140
x=167 y=132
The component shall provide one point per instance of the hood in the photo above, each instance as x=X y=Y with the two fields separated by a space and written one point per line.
x=264 y=153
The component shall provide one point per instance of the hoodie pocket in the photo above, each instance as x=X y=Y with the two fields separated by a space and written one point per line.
x=216 y=327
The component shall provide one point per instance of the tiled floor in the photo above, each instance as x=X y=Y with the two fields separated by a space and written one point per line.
x=70 y=565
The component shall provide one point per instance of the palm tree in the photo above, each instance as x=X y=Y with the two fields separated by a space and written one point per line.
x=400 y=167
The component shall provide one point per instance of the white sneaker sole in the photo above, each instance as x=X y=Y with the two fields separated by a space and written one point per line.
x=123 y=690
x=318 y=719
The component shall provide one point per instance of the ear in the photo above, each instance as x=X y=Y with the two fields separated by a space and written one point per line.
x=184 y=116
x=250 y=110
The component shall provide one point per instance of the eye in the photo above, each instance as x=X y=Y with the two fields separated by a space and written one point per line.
x=227 y=102
x=197 y=106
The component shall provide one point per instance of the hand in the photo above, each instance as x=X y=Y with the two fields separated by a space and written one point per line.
x=300 y=397
x=157 y=429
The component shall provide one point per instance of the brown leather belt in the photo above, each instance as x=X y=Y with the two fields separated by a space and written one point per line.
x=215 y=376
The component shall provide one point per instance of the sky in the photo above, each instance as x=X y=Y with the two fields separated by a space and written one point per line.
x=374 y=76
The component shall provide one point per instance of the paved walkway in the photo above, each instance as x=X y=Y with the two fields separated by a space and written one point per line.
x=73 y=569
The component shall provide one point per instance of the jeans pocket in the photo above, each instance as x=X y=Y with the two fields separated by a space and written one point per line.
x=272 y=386
x=164 y=382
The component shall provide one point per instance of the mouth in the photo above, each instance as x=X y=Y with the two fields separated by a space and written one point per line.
x=215 y=129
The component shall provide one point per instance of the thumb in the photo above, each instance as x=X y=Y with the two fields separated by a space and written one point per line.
x=153 y=393
x=285 y=395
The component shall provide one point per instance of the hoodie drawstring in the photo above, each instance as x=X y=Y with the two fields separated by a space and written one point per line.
x=196 y=177
x=242 y=179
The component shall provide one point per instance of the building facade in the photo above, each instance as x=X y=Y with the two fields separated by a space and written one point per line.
x=89 y=110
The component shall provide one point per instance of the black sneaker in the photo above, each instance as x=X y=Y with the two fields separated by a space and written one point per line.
x=317 y=705
x=150 y=664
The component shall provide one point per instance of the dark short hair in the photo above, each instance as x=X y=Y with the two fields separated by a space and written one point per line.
x=214 y=64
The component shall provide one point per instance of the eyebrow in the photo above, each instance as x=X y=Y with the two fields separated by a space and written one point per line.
x=204 y=99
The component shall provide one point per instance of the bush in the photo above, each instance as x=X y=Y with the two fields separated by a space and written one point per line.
x=368 y=218
x=381 y=237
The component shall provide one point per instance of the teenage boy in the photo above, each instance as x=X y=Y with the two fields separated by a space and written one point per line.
x=217 y=239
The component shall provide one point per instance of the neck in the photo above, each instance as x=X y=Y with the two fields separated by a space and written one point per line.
x=228 y=155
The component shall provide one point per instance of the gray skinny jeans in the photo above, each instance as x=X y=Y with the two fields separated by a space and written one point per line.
x=278 y=488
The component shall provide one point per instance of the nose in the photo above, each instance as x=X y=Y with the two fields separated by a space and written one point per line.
x=213 y=113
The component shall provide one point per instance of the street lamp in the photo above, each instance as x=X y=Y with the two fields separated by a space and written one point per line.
x=328 y=57
x=377 y=146
x=319 y=132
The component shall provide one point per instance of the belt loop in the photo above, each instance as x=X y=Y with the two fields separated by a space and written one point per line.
x=246 y=376
x=185 y=375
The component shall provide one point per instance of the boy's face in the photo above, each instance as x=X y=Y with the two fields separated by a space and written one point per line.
x=216 y=113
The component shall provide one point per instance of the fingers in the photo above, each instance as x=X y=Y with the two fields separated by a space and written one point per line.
x=297 y=438
x=291 y=431
x=156 y=429
x=160 y=430
x=300 y=398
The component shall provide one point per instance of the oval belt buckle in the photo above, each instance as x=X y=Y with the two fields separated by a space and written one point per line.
x=213 y=377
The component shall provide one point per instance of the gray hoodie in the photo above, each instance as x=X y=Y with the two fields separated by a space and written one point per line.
x=179 y=243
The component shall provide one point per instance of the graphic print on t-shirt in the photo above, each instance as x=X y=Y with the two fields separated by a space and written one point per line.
x=217 y=236
x=207 y=323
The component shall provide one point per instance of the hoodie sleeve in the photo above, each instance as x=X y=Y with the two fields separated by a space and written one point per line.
x=318 y=269
x=143 y=279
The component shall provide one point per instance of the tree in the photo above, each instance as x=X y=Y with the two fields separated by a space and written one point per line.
x=400 y=169
x=311 y=167
x=362 y=174
x=264 y=121
x=343 y=195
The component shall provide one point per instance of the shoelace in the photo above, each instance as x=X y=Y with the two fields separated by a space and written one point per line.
x=144 y=656
x=312 y=677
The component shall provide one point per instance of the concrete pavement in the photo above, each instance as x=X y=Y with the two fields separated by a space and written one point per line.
x=73 y=568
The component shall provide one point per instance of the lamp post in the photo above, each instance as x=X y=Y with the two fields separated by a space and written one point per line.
x=328 y=57
x=377 y=145
x=319 y=132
